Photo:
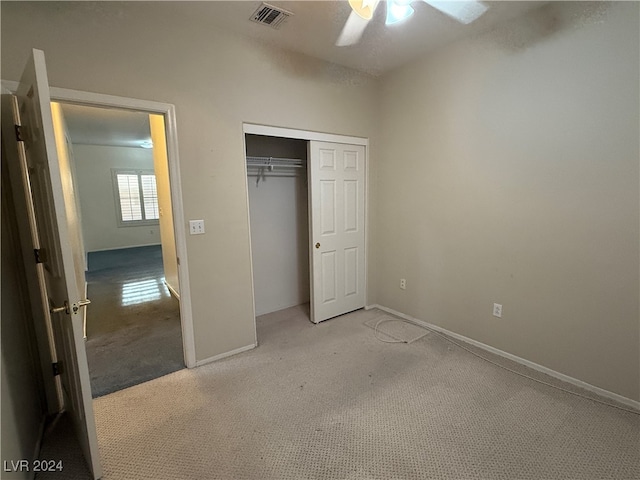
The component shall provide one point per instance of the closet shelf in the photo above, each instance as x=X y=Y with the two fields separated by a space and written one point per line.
x=274 y=162
x=274 y=165
x=271 y=174
x=263 y=167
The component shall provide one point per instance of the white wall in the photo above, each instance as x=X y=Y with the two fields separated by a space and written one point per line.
x=217 y=81
x=508 y=173
x=97 y=196
x=279 y=228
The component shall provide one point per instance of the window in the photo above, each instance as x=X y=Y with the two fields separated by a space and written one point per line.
x=136 y=197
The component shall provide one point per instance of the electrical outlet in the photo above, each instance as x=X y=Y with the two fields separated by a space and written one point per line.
x=497 y=310
x=403 y=283
x=196 y=227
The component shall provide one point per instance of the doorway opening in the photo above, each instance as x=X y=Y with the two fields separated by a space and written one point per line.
x=279 y=223
x=122 y=192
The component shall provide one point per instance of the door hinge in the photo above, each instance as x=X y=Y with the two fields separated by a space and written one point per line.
x=19 y=136
x=57 y=368
x=38 y=254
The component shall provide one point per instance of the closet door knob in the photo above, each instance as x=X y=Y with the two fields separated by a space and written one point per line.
x=317 y=245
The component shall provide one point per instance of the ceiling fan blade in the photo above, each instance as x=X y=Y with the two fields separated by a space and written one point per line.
x=463 y=11
x=398 y=11
x=352 y=30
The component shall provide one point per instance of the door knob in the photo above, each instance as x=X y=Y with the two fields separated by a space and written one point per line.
x=81 y=303
x=64 y=308
x=318 y=245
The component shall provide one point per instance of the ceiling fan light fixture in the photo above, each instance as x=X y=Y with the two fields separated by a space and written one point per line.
x=364 y=8
x=397 y=11
x=464 y=11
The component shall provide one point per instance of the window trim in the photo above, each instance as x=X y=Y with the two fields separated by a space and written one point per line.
x=116 y=196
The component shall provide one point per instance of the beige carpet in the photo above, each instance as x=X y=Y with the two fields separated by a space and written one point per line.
x=330 y=401
x=390 y=329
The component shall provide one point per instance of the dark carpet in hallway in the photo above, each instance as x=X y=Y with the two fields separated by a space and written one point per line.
x=133 y=323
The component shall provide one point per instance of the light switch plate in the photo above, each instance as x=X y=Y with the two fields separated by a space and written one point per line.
x=196 y=227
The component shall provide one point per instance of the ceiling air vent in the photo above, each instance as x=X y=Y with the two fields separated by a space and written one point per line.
x=270 y=15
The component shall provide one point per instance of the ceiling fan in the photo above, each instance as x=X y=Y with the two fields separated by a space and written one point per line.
x=464 y=11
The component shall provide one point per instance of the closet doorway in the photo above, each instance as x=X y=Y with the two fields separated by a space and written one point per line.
x=307 y=203
x=278 y=205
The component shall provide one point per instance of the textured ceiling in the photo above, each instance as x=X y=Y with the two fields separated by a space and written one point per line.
x=106 y=126
x=312 y=30
x=315 y=26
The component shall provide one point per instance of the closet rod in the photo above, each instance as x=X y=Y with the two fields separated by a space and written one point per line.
x=261 y=174
x=274 y=159
x=271 y=174
x=273 y=165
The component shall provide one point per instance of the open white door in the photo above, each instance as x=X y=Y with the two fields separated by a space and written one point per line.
x=336 y=191
x=51 y=190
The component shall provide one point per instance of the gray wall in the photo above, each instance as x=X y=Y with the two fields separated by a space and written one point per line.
x=279 y=228
x=22 y=390
x=168 y=52
x=508 y=173
x=506 y=169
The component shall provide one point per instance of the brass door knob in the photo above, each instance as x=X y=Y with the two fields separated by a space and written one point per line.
x=318 y=245
x=64 y=308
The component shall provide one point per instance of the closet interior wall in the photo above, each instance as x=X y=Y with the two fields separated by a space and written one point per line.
x=278 y=209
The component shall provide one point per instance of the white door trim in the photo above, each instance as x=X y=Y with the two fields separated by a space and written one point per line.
x=168 y=111
x=284 y=132
x=255 y=129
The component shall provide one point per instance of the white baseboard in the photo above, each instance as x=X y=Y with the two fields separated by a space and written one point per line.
x=552 y=373
x=173 y=291
x=122 y=248
x=199 y=363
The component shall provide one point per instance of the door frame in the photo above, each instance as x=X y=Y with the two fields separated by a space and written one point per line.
x=167 y=110
x=309 y=135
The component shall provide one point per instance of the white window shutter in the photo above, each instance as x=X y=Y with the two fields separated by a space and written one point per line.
x=129 y=192
x=150 y=196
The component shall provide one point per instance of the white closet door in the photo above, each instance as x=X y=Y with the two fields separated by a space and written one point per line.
x=336 y=199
